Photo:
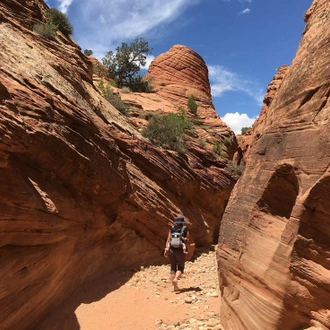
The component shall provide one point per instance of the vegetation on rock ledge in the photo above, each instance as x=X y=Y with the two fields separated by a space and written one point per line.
x=168 y=131
x=55 y=20
x=192 y=105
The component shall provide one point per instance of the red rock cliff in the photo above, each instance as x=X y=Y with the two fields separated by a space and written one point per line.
x=274 y=240
x=244 y=140
x=179 y=73
x=82 y=192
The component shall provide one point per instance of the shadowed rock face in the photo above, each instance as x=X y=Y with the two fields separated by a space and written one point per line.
x=274 y=239
x=81 y=191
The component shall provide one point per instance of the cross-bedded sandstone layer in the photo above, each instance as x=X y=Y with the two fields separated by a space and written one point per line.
x=179 y=73
x=273 y=249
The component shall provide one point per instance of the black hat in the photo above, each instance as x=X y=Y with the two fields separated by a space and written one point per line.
x=180 y=219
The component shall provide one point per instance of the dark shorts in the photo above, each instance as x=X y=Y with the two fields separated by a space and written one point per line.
x=177 y=260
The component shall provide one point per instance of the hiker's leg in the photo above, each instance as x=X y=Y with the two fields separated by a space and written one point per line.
x=174 y=269
x=181 y=261
x=178 y=274
x=173 y=266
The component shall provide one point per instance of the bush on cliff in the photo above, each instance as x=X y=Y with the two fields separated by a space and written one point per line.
x=112 y=98
x=88 y=52
x=47 y=30
x=192 y=105
x=168 y=131
x=217 y=148
x=233 y=168
x=55 y=20
x=244 y=130
x=60 y=20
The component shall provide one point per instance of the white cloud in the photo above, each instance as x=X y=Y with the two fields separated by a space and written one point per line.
x=222 y=80
x=245 y=11
x=238 y=120
x=64 y=5
x=104 y=24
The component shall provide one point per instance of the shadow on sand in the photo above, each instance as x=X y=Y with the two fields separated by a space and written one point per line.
x=202 y=250
x=192 y=288
x=63 y=317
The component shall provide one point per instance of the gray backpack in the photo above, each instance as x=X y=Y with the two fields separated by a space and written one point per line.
x=176 y=238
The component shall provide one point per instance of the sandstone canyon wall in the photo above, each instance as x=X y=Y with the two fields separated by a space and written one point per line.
x=244 y=140
x=273 y=251
x=82 y=192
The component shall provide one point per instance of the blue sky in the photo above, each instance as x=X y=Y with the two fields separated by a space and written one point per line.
x=241 y=41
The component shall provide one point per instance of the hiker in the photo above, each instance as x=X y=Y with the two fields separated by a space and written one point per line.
x=177 y=240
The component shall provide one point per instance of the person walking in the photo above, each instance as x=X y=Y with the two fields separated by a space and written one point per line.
x=176 y=244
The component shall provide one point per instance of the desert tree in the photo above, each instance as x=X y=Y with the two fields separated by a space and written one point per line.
x=124 y=64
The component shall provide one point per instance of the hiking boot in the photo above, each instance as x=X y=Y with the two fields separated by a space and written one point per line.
x=175 y=285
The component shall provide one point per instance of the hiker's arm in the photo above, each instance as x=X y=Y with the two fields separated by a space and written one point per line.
x=186 y=240
x=186 y=237
x=167 y=244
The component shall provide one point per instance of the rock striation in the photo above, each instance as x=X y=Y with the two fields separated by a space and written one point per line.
x=179 y=73
x=176 y=75
x=274 y=238
x=244 y=140
x=82 y=192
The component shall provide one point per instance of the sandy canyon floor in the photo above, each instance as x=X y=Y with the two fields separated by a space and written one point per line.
x=142 y=300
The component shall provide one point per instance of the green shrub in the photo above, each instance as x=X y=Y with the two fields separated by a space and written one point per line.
x=227 y=141
x=88 y=52
x=112 y=98
x=138 y=84
x=168 y=131
x=47 y=30
x=202 y=142
x=55 y=20
x=235 y=169
x=217 y=148
x=126 y=90
x=192 y=105
x=244 y=130
x=60 y=20
x=118 y=103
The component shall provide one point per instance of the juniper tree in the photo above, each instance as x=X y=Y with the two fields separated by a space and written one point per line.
x=125 y=63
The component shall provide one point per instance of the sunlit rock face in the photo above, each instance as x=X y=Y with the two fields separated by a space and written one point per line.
x=273 y=251
x=179 y=73
x=82 y=192
x=244 y=140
